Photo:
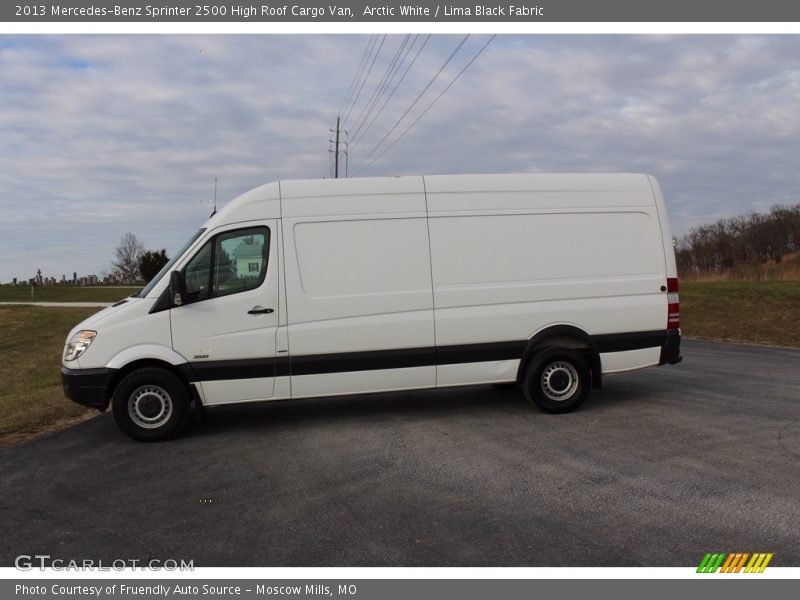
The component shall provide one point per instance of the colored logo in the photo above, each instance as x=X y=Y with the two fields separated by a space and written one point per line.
x=734 y=562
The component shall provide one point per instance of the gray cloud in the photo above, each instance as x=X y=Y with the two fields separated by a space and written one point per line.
x=100 y=135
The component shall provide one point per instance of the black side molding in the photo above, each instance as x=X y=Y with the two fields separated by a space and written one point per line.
x=342 y=362
x=638 y=340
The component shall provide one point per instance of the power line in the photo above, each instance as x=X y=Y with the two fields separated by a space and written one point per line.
x=472 y=60
x=380 y=88
x=358 y=95
x=356 y=140
x=357 y=74
x=414 y=103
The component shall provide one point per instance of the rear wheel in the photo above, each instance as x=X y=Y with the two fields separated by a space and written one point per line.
x=557 y=380
x=151 y=404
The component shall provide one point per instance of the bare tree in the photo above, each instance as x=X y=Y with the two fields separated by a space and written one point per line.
x=741 y=241
x=127 y=256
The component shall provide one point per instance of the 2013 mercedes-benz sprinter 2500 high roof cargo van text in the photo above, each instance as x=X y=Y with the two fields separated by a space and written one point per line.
x=319 y=288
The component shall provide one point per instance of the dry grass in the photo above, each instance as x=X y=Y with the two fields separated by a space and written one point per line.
x=31 y=343
x=788 y=269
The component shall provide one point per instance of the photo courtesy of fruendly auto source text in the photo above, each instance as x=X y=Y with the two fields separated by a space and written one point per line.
x=428 y=299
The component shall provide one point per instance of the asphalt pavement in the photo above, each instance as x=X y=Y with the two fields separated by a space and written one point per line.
x=657 y=469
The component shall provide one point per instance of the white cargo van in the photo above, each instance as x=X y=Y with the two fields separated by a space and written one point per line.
x=318 y=288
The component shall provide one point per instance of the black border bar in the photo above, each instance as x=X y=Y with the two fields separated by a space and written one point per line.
x=388 y=11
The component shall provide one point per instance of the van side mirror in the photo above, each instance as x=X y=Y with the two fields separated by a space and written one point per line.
x=177 y=288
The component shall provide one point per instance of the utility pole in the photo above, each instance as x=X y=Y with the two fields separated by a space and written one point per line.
x=336 y=151
x=335 y=144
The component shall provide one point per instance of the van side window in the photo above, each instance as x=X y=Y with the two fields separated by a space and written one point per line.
x=231 y=262
x=240 y=260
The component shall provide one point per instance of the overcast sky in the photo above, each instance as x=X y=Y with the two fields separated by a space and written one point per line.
x=100 y=135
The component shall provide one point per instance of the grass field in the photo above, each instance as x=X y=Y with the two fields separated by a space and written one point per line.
x=31 y=343
x=32 y=340
x=761 y=312
x=65 y=293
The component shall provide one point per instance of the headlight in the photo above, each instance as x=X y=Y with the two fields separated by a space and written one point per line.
x=78 y=344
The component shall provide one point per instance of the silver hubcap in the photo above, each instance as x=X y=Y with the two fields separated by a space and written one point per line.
x=559 y=381
x=150 y=406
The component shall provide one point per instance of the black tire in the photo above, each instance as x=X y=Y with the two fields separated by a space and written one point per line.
x=151 y=404
x=557 y=380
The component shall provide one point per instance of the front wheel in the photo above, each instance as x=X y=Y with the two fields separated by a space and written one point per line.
x=557 y=380
x=151 y=404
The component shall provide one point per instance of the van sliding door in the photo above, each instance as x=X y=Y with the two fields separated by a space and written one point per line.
x=360 y=301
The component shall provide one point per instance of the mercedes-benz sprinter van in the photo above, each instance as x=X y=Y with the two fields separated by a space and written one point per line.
x=347 y=286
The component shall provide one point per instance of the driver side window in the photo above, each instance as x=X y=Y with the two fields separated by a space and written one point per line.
x=197 y=274
x=229 y=263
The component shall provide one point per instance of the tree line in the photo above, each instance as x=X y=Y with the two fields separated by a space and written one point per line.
x=734 y=242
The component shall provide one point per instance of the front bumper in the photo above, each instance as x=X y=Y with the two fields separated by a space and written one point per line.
x=89 y=387
x=671 y=349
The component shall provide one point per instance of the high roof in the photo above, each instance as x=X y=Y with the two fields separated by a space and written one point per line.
x=445 y=193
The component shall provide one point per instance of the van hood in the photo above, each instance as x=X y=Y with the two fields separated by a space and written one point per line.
x=111 y=314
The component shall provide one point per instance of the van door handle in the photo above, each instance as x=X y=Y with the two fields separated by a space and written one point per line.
x=257 y=310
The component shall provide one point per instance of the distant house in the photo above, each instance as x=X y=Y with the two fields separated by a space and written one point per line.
x=248 y=258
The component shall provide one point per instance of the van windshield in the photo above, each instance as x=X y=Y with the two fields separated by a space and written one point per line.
x=166 y=268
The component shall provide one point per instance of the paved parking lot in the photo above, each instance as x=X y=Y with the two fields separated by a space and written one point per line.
x=657 y=469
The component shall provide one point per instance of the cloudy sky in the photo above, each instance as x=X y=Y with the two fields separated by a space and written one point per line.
x=101 y=135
